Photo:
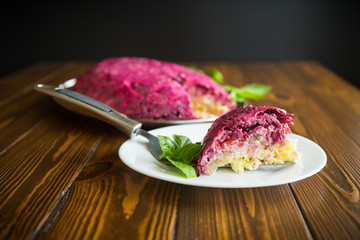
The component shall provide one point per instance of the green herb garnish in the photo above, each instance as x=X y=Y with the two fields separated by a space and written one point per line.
x=216 y=75
x=253 y=91
x=181 y=154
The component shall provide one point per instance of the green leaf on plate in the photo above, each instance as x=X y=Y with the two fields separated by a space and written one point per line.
x=182 y=154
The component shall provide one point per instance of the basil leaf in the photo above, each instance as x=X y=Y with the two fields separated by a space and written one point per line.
x=253 y=91
x=228 y=88
x=181 y=140
x=166 y=146
x=188 y=170
x=188 y=152
x=216 y=75
x=182 y=155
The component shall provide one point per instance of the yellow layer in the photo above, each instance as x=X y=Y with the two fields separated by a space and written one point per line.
x=276 y=154
x=205 y=108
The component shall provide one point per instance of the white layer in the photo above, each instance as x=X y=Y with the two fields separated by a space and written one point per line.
x=251 y=154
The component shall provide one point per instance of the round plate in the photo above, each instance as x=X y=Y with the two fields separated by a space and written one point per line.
x=136 y=155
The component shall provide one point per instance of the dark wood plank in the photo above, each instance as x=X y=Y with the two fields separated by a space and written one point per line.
x=20 y=84
x=257 y=213
x=44 y=151
x=35 y=172
x=110 y=201
x=16 y=82
x=18 y=120
x=340 y=177
x=338 y=99
x=20 y=114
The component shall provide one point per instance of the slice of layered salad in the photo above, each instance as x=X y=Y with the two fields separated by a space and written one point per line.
x=247 y=137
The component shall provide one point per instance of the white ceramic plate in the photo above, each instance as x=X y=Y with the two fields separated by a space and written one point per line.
x=136 y=154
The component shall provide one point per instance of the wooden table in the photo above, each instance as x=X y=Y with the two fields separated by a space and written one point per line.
x=61 y=176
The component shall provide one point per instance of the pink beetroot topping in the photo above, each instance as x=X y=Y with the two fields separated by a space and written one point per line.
x=148 y=89
x=241 y=123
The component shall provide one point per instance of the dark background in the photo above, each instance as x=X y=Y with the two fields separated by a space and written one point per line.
x=326 y=31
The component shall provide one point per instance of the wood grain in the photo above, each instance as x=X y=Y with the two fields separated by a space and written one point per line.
x=11 y=85
x=61 y=177
x=341 y=174
x=22 y=83
x=115 y=202
x=258 y=213
x=337 y=99
x=31 y=106
x=55 y=154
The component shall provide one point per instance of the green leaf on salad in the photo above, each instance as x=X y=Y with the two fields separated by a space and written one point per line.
x=239 y=100
x=181 y=140
x=166 y=146
x=187 y=153
x=181 y=153
x=216 y=75
x=253 y=91
x=186 y=169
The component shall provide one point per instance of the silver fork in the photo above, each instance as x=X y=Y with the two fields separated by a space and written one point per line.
x=82 y=104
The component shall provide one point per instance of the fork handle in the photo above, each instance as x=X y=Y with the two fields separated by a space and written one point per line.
x=82 y=104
